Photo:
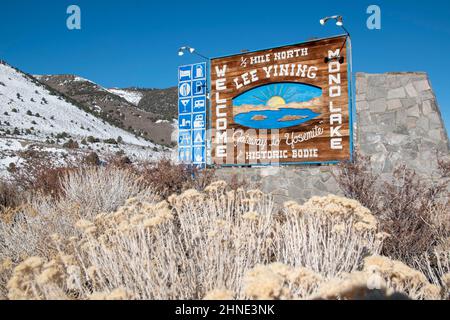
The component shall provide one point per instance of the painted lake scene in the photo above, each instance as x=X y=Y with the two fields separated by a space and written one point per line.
x=277 y=105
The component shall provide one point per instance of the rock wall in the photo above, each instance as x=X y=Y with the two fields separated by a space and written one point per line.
x=398 y=121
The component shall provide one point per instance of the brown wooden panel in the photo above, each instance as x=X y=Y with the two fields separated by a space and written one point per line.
x=316 y=140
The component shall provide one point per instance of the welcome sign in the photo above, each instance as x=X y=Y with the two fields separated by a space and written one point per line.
x=285 y=105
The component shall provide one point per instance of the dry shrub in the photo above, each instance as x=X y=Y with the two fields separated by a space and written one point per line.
x=41 y=173
x=412 y=210
x=85 y=193
x=358 y=181
x=330 y=235
x=118 y=160
x=166 y=178
x=101 y=189
x=379 y=278
x=411 y=213
x=279 y=281
x=200 y=243
x=6 y=266
x=223 y=233
x=155 y=252
x=436 y=267
x=10 y=196
x=398 y=277
x=206 y=240
x=216 y=244
x=91 y=160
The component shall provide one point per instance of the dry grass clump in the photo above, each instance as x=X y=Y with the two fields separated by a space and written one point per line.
x=379 y=278
x=58 y=279
x=218 y=243
x=436 y=267
x=100 y=189
x=279 y=281
x=219 y=294
x=10 y=197
x=329 y=235
x=413 y=210
x=26 y=230
x=183 y=252
x=166 y=178
x=398 y=277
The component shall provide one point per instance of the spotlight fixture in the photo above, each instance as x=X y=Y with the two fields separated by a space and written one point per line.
x=339 y=20
x=190 y=50
x=340 y=23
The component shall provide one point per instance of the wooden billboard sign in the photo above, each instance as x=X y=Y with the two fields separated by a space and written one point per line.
x=285 y=105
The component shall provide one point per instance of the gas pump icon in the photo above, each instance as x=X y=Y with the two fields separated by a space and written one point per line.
x=199 y=72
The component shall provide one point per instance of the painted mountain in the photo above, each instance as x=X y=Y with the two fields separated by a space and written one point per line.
x=277 y=106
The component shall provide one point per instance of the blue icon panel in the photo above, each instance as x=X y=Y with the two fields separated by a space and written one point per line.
x=198 y=137
x=199 y=154
x=185 y=73
x=185 y=121
x=192 y=105
x=185 y=154
x=199 y=121
x=199 y=71
x=198 y=87
x=184 y=89
x=199 y=104
x=185 y=138
x=184 y=105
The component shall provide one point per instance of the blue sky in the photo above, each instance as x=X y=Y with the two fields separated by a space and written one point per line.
x=135 y=43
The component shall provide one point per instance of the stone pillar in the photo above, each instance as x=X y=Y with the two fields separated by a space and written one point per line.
x=398 y=121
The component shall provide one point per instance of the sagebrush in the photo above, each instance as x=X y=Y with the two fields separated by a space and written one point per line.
x=152 y=231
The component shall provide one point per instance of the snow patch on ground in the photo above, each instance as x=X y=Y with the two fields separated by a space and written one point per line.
x=134 y=97
x=30 y=115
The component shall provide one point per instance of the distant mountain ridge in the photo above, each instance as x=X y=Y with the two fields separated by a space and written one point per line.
x=135 y=110
x=34 y=115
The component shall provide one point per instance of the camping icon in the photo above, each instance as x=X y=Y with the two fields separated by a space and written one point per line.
x=198 y=137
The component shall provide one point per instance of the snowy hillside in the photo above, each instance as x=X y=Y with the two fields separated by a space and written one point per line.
x=130 y=95
x=112 y=106
x=33 y=113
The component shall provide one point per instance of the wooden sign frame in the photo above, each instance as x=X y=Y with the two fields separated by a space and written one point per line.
x=287 y=105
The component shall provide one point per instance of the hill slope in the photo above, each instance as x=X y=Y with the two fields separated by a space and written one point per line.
x=160 y=101
x=32 y=114
x=116 y=106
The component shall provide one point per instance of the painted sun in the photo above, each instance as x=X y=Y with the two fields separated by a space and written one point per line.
x=276 y=101
x=276 y=95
